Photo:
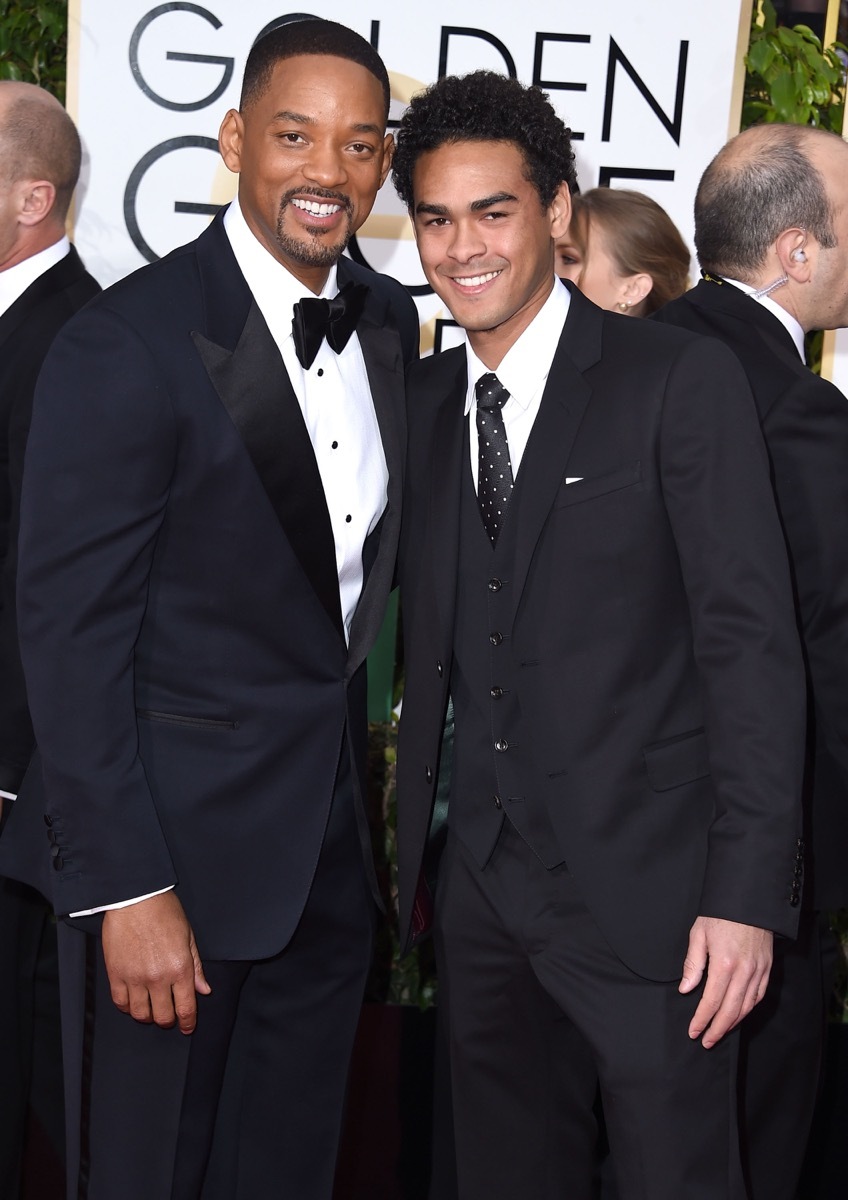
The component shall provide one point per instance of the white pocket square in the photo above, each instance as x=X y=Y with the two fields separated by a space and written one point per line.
x=573 y=479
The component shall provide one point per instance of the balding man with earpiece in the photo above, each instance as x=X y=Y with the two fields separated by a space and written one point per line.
x=771 y=231
x=42 y=283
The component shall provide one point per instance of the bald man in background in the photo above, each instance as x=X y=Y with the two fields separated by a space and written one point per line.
x=42 y=283
x=771 y=231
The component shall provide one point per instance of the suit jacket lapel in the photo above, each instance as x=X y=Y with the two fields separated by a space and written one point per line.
x=446 y=479
x=244 y=366
x=729 y=300
x=63 y=274
x=564 y=401
x=381 y=349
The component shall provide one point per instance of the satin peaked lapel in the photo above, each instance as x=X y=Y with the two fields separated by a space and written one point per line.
x=255 y=390
x=545 y=458
x=381 y=349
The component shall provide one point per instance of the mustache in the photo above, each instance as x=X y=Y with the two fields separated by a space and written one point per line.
x=317 y=193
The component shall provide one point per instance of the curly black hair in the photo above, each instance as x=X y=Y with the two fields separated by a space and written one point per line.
x=486 y=107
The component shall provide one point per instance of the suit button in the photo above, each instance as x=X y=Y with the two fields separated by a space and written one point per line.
x=799 y=871
x=495 y=585
x=48 y=820
x=794 y=899
x=58 y=863
x=51 y=837
x=55 y=851
x=501 y=745
x=429 y=774
x=496 y=693
x=496 y=638
x=439 y=669
x=497 y=800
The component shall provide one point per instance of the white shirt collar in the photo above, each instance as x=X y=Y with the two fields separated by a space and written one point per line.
x=527 y=363
x=786 y=319
x=15 y=280
x=275 y=289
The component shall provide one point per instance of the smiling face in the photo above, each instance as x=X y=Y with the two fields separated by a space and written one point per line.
x=312 y=153
x=485 y=241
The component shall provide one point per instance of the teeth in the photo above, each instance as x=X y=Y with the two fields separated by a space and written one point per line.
x=316 y=209
x=475 y=280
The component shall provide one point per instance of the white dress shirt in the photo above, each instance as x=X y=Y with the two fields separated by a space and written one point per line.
x=335 y=398
x=523 y=371
x=786 y=319
x=15 y=280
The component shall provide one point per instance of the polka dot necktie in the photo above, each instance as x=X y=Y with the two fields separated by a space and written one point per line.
x=494 y=474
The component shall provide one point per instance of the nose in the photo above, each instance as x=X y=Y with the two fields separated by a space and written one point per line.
x=466 y=241
x=325 y=165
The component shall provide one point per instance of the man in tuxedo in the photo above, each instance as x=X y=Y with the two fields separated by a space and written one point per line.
x=611 y=615
x=209 y=521
x=42 y=283
x=771 y=230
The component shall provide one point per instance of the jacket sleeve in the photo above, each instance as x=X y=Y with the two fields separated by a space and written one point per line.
x=100 y=455
x=719 y=499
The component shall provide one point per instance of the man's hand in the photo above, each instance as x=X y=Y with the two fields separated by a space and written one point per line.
x=740 y=959
x=152 y=962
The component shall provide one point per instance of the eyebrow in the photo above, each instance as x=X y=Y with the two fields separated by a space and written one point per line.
x=300 y=119
x=440 y=210
x=489 y=201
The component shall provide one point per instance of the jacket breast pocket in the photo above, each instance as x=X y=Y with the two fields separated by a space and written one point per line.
x=678 y=760
x=594 y=486
x=185 y=722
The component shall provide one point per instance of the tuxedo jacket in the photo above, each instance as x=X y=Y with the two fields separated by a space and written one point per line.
x=27 y=330
x=805 y=422
x=190 y=684
x=660 y=683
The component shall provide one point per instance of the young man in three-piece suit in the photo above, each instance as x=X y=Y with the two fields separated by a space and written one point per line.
x=209 y=524
x=771 y=230
x=594 y=573
x=42 y=284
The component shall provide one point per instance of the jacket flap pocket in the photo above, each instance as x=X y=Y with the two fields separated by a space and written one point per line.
x=599 y=485
x=679 y=760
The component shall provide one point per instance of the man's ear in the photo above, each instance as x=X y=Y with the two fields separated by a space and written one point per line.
x=36 y=200
x=796 y=252
x=388 y=155
x=230 y=140
x=560 y=211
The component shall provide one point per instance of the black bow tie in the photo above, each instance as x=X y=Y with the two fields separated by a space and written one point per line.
x=315 y=319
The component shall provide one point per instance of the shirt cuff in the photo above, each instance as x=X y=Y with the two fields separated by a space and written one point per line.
x=90 y=912
x=8 y=795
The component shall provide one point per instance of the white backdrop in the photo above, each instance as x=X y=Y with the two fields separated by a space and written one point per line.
x=653 y=88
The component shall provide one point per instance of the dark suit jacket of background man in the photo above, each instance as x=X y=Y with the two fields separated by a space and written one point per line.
x=219 y=738
x=805 y=422
x=27 y=330
x=670 y=778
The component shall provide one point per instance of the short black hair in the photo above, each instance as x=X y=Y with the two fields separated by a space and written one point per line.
x=309 y=36
x=486 y=107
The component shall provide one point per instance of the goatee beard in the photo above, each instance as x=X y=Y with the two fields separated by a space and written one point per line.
x=309 y=250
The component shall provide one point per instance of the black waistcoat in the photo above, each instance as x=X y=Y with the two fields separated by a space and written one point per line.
x=493 y=770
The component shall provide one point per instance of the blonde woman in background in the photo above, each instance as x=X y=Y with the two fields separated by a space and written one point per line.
x=623 y=251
